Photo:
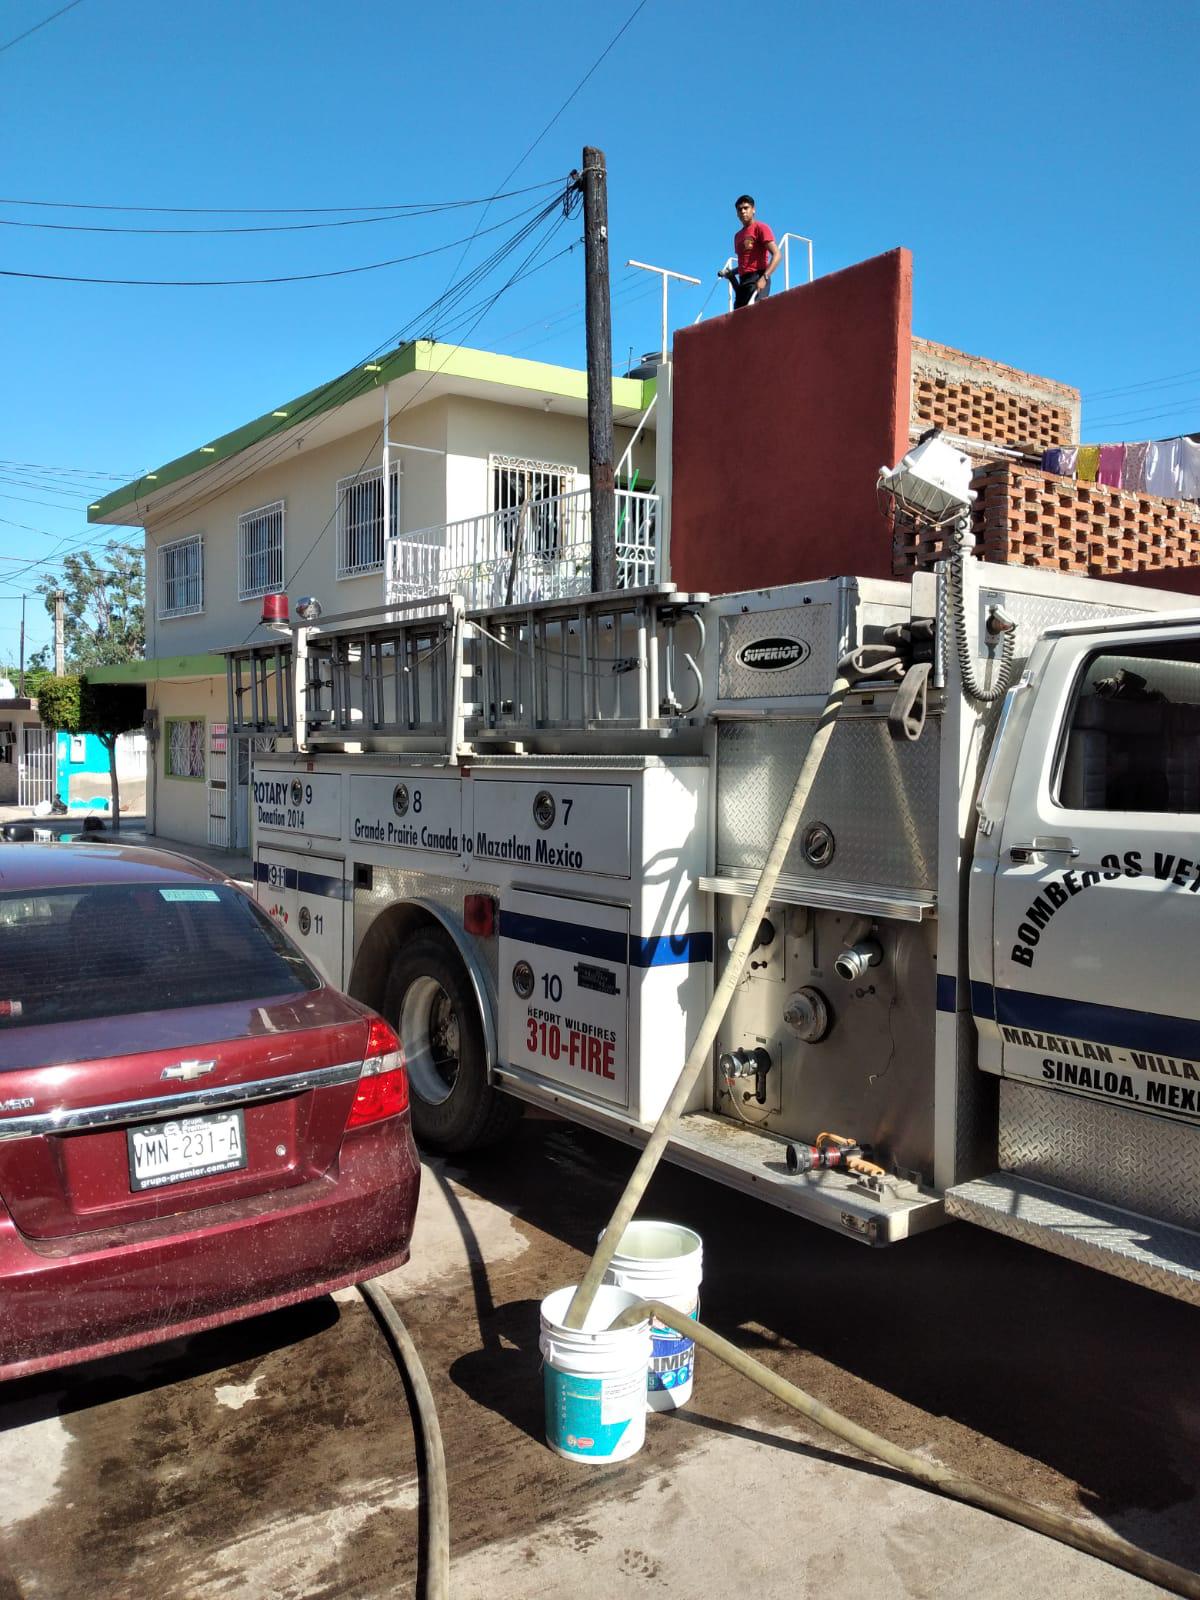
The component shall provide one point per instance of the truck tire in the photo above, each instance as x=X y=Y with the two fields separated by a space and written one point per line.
x=432 y=1006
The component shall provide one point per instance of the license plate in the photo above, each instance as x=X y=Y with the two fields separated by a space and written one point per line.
x=191 y=1147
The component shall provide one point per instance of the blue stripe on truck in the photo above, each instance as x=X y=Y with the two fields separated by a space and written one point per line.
x=607 y=945
x=1080 y=1019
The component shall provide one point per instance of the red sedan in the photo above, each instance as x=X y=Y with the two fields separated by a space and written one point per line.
x=193 y=1126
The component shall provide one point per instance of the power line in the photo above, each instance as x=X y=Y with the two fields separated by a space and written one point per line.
x=257 y=457
x=486 y=307
x=235 y=283
x=399 y=213
x=531 y=148
x=1144 y=416
x=70 y=6
x=1168 y=382
x=81 y=472
x=282 y=211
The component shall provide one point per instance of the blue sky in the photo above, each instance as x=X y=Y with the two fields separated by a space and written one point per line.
x=1037 y=159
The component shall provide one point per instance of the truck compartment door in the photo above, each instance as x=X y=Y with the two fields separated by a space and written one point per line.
x=306 y=896
x=1096 y=918
x=564 y=992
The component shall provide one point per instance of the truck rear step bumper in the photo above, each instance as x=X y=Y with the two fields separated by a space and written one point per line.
x=756 y=1163
x=1154 y=1254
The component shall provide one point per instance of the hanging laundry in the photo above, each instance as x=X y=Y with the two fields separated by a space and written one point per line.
x=1112 y=461
x=1087 y=463
x=1133 y=473
x=1069 y=453
x=1052 y=460
x=1189 y=468
x=1163 y=468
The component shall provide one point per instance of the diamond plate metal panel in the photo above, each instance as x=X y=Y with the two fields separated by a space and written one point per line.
x=1154 y=1255
x=879 y=795
x=1124 y=1158
x=814 y=625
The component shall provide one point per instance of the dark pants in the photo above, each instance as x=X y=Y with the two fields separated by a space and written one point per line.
x=743 y=287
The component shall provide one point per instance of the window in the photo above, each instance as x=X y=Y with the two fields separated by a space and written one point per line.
x=260 y=551
x=1133 y=741
x=360 y=521
x=181 y=577
x=68 y=955
x=516 y=482
x=183 y=748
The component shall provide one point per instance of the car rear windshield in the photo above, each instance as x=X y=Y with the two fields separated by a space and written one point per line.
x=106 y=950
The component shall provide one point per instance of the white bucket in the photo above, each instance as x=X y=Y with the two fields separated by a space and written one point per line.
x=662 y=1261
x=594 y=1379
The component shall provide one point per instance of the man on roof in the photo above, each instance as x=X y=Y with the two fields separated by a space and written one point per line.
x=756 y=253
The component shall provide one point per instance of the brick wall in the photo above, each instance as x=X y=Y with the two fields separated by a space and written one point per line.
x=1025 y=517
x=988 y=401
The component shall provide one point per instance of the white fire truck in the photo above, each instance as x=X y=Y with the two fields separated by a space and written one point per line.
x=528 y=834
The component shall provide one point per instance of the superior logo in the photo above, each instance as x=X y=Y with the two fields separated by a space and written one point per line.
x=773 y=655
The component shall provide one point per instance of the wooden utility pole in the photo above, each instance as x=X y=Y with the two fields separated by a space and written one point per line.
x=599 y=370
x=60 y=663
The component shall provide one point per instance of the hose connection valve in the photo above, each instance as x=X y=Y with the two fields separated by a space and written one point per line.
x=856 y=958
x=754 y=1064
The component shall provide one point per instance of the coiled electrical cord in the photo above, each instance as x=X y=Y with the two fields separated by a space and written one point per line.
x=962 y=643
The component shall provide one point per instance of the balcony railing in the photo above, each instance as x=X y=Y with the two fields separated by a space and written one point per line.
x=543 y=549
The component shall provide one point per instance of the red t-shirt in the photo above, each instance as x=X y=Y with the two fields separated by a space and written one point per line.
x=750 y=246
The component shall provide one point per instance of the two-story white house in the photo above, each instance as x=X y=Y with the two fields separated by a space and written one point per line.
x=482 y=453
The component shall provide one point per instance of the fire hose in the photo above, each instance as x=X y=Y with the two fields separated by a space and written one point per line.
x=869 y=662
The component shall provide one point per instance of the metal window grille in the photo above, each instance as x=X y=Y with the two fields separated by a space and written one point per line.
x=181 y=577
x=35 y=774
x=360 y=521
x=260 y=551
x=185 y=749
x=517 y=482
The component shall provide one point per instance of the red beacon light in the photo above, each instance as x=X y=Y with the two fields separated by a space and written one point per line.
x=275 y=611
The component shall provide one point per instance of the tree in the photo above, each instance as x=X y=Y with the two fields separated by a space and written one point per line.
x=108 y=710
x=104 y=610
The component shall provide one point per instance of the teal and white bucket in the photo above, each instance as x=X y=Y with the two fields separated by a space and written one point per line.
x=662 y=1261
x=594 y=1378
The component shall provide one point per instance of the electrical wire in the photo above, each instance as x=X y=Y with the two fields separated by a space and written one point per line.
x=395 y=214
x=241 y=283
x=62 y=11
x=532 y=147
x=344 y=387
x=1168 y=382
x=1118 y=419
x=348 y=384
x=82 y=472
x=283 y=211
x=504 y=288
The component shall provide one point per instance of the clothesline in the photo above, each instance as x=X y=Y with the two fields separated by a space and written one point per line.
x=1167 y=467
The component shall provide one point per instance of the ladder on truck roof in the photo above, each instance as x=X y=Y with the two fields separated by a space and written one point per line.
x=426 y=675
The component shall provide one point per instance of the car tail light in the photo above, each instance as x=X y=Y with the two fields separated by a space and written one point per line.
x=479 y=915
x=383 y=1082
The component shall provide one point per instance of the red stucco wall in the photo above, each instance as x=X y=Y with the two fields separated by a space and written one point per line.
x=783 y=415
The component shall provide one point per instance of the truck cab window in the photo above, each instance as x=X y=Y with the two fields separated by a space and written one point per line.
x=1133 y=733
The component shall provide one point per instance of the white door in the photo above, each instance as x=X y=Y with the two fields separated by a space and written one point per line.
x=35 y=779
x=1096 y=913
x=218 y=785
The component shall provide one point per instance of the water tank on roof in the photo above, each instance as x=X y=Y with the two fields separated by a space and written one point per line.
x=647 y=367
x=8 y=689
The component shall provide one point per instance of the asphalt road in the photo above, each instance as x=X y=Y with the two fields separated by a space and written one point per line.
x=277 y=1458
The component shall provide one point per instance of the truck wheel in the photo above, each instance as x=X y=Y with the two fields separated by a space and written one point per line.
x=432 y=1007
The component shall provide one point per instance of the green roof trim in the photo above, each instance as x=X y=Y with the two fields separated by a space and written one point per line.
x=159 y=667
x=629 y=394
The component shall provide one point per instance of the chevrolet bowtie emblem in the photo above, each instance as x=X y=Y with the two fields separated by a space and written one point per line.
x=187 y=1070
